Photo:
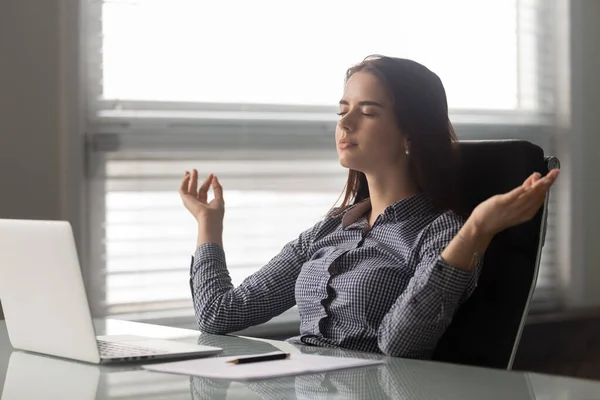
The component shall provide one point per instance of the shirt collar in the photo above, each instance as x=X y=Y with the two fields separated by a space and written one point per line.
x=401 y=210
x=354 y=212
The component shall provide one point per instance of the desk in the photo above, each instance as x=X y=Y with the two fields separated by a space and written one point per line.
x=36 y=376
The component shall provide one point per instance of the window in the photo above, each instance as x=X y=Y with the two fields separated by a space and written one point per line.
x=200 y=51
x=247 y=90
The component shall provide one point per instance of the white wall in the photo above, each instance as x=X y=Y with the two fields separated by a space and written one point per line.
x=40 y=154
x=579 y=149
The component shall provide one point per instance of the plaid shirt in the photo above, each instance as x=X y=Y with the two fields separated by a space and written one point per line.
x=384 y=289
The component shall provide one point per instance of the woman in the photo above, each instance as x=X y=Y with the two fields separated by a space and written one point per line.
x=386 y=271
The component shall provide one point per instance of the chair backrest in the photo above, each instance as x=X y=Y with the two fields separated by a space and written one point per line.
x=486 y=329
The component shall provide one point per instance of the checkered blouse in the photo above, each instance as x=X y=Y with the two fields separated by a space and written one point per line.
x=384 y=289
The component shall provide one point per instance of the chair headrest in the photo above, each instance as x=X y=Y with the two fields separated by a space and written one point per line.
x=491 y=167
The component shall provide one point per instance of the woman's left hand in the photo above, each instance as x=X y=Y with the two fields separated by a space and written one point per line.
x=513 y=208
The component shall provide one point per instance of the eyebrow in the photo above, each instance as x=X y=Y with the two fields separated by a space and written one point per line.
x=363 y=103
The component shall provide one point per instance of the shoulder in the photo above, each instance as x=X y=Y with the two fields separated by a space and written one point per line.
x=327 y=224
x=447 y=221
x=436 y=222
x=441 y=231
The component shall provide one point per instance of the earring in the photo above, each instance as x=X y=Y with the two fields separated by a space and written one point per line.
x=407 y=152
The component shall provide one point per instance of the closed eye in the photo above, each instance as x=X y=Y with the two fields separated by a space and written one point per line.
x=342 y=113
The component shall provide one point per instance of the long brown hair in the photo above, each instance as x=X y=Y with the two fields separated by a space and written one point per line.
x=421 y=109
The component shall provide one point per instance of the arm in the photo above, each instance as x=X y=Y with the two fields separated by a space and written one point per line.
x=449 y=268
x=421 y=314
x=221 y=308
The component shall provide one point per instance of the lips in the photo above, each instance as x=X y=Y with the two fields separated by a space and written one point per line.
x=345 y=144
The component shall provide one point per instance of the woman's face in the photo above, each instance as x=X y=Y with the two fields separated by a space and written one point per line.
x=367 y=135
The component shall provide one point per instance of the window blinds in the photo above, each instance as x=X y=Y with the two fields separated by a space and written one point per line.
x=247 y=90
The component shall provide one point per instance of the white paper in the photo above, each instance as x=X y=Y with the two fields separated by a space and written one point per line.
x=297 y=364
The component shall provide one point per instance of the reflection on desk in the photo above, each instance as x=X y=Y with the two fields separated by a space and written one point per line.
x=397 y=379
x=38 y=376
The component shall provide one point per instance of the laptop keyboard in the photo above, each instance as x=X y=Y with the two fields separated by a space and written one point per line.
x=112 y=350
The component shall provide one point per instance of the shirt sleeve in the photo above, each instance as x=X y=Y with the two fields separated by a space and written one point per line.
x=220 y=308
x=419 y=317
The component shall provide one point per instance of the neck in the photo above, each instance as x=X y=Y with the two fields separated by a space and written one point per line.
x=386 y=189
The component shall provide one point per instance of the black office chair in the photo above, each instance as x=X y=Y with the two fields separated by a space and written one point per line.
x=487 y=328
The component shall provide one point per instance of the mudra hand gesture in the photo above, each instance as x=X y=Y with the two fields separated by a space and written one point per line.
x=515 y=207
x=209 y=215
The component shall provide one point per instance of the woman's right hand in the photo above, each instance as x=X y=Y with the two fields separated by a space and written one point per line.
x=209 y=214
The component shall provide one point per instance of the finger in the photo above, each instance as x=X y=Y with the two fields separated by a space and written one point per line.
x=529 y=200
x=553 y=174
x=203 y=191
x=193 y=189
x=515 y=193
x=183 y=187
x=541 y=184
x=217 y=188
x=536 y=177
x=537 y=190
x=532 y=178
x=547 y=181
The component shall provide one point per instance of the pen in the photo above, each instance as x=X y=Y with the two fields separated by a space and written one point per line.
x=269 y=357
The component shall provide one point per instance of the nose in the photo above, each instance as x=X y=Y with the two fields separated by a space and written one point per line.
x=346 y=123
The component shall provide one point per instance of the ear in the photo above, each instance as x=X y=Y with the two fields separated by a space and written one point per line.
x=407 y=145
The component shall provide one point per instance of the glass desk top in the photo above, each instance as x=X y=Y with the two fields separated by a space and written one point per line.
x=32 y=376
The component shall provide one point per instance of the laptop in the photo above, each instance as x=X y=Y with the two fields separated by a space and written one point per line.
x=45 y=304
